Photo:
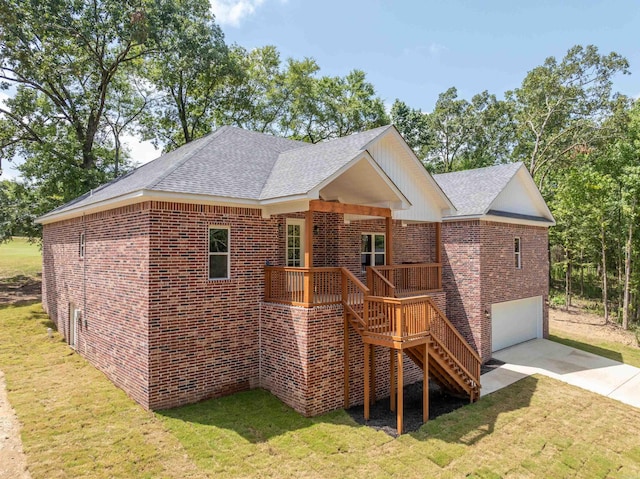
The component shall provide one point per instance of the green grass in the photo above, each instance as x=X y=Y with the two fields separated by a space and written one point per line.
x=616 y=351
x=77 y=424
x=20 y=258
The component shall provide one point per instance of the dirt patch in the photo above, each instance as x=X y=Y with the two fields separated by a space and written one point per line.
x=13 y=463
x=20 y=290
x=383 y=419
x=581 y=323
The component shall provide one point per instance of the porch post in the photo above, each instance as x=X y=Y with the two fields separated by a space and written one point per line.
x=425 y=384
x=308 y=256
x=439 y=252
x=392 y=379
x=366 y=381
x=389 y=240
x=400 y=405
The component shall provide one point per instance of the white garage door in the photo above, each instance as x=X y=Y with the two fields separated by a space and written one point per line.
x=516 y=321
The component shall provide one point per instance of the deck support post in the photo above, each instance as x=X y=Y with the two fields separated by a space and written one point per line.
x=425 y=384
x=439 y=252
x=346 y=361
x=400 y=405
x=373 y=374
x=366 y=381
x=389 y=240
x=392 y=379
x=308 y=256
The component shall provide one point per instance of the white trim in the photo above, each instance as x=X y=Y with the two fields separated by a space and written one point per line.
x=517 y=252
x=499 y=219
x=373 y=253
x=227 y=254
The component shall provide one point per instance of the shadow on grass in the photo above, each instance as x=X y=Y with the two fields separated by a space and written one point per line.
x=258 y=416
x=590 y=348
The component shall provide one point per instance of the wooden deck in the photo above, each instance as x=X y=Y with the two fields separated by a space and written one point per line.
x=387 y=313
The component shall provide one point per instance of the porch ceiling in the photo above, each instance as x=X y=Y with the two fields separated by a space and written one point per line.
x=364 y=184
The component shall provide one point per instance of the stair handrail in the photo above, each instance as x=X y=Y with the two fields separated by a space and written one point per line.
x=373 y=275
x=475 y=376
x=349 y=277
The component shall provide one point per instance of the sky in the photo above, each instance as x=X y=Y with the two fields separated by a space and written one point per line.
x=415 y=50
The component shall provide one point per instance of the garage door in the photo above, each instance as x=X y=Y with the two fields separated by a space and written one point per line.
x=516 y=321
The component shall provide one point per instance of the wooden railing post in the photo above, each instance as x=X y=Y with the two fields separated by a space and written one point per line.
x=399 y=319
x=267 y=284
x=308 y=286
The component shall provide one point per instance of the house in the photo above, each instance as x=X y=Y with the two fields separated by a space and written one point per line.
x=323 y=273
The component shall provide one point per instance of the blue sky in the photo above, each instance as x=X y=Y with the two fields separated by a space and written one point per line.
x=414 y=50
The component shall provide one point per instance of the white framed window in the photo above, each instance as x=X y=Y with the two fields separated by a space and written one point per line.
x=219 y=258
x=517 y=252
x=81 y=246
x=295 y=243
x=372 y=250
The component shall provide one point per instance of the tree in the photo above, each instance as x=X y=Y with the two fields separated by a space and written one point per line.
x=62 y=59
x=188 y=69
x=457 y=134
x=561 y=107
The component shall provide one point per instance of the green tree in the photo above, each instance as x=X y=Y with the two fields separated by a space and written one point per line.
x=188 y=68
x=561 y=107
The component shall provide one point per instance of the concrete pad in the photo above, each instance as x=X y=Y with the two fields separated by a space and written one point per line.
x=499 y=378
x=579 y=368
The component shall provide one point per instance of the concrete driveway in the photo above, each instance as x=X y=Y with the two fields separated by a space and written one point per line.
x=585 y=370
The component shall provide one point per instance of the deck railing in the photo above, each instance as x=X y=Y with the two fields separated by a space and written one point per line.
x=302 y=286
x=412 y=279
x=379 y=284
x=447 y=337
x=401 y=319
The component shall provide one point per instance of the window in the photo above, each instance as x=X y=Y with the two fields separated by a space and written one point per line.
x=517 y=252
x=218 y=252
x=295 y=243
x=81 y=245
x=372 y=250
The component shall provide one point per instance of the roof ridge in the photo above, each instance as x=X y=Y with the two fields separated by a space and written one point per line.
x=181 y=162
x=500 y=165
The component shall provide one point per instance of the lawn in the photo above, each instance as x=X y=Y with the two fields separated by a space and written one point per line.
x=19 y=257
x=77 y=424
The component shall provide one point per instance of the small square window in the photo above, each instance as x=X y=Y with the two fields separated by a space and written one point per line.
x=517 y=253
x=219 y=252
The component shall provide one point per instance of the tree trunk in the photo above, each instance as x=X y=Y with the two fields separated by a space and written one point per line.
x=604 y=274
x=582 y=272
x=567 y=279
x=627 y=278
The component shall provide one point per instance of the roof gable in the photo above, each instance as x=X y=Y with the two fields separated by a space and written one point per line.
x=502 y=192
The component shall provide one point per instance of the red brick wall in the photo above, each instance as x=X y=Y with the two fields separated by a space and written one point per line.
x=203 y=334
x=110 y=287
x=501 y=281
x=461 y=278
x=479 y=270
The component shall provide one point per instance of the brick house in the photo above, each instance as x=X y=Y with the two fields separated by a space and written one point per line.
x=328 y=274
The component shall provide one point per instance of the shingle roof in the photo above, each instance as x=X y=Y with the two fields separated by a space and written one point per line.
x=236 y=163
x=473 y=191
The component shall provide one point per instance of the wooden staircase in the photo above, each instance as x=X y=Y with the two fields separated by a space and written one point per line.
x=407 y=324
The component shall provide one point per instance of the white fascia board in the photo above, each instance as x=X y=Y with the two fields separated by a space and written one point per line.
x=445 y=202
x=285 y=207
x=499 y=219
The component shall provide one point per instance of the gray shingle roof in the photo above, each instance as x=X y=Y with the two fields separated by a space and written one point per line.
x=236 y=163
x=473 y=191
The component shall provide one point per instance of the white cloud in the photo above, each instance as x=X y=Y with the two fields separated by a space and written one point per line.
x=232 y=12
x=434 y=50
x=141 y=152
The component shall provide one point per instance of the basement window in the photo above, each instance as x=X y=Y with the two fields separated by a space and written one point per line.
x=219 y=252
x=517 y=253
x=81 y=246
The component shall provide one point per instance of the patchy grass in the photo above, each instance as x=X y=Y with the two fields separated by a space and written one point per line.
x=609 y=349
x=77 y=424
x=20 y=258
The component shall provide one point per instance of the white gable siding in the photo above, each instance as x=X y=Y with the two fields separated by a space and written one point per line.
x=517 y=197
x=409 y=177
